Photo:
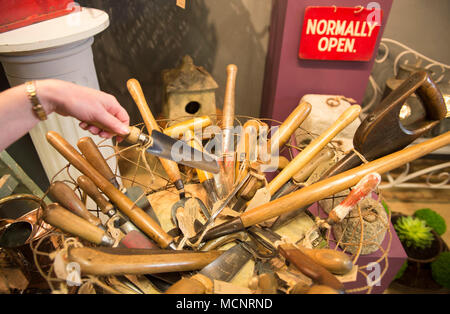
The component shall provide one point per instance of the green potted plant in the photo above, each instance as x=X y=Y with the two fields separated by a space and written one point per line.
x=420 y=237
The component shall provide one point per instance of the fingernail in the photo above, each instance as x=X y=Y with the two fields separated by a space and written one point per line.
x=124 y=130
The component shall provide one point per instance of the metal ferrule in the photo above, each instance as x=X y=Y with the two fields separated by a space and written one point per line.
x=107 y=241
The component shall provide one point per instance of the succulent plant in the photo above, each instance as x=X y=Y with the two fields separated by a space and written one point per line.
x=440 y=269
x=414 y=232
x=433 y=219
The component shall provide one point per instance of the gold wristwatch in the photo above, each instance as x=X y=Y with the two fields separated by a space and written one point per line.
x=37 y=107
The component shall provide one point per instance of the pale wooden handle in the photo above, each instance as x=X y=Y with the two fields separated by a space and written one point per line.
x=96 y=262
x=64 y=195
x=288 y=127
x=135 y=89
x=314 y=148
x=136 y=215
x=334 y=261
x=340 y=182
x=91 y=189
x=229 y=99
x=197 y=123
x=133 y=136
x=63 y=219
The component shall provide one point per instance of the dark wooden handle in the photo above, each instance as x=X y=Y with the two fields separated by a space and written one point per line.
x=93 y=155
x=382 y=132
x=135 y=90
x=96 y=262
x=91 y=189
x=309 y=267
x=136 y=214
x=65 y=196
x=61 y=218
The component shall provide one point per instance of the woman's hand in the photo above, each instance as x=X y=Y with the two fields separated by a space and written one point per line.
x=100 y=113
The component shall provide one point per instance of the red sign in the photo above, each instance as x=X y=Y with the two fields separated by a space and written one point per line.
x=337 y=33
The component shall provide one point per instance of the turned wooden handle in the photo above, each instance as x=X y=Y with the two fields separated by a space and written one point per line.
x=227 y=165
x=336 y=262
x=93 y=155
x=61 y=218
x=347 y=117
x=65 y=196
x=136 y=214
x=330 y=186
x=197 y=284
x=198 y=123
x=91 y=189
x=288 y=127
x=309 y=267
x=97 y=262
x=229 y=98
x=135 y=89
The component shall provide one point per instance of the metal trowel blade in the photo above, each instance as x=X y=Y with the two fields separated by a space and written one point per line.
x=169 y=148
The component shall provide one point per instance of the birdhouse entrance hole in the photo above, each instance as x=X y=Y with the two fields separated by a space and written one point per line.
x=192 y=108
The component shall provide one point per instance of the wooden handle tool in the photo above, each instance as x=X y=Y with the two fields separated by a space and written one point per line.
x=138 y=261
x=65 y=196
x=227 y=165
x=171 y=167
x=125 y=205
x=336 y=262
x=308 y=267
x=61 y=218
x=288 y=127
x=314 y=148
x=91 y=152
x=91 y=189
x=382 y=131
x=247 y=151
x=198 y=123
x=326 y=188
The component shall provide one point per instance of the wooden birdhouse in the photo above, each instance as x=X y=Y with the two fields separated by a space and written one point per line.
x=189 y=91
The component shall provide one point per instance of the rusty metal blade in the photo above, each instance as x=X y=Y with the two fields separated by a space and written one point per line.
x=227 y=265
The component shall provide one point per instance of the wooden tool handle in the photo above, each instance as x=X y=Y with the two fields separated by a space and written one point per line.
x=197 y=284
x=91 y=189
x=65 y=196
x=340 y=182
x=135 y=89
x=229 y=99
x=93 y=155
x=347 y=117
x=336 y=262
x=136 y=215
x=178 y=130
x=288 y=127
x=61 y=218
x=309 y=267
x=96 y=262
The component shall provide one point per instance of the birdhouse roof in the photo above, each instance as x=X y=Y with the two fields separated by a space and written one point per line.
x=188 y=78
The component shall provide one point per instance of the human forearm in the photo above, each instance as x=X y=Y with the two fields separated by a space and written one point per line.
x=99 y=112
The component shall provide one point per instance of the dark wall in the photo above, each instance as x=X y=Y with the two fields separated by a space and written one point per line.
x=146 y=37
